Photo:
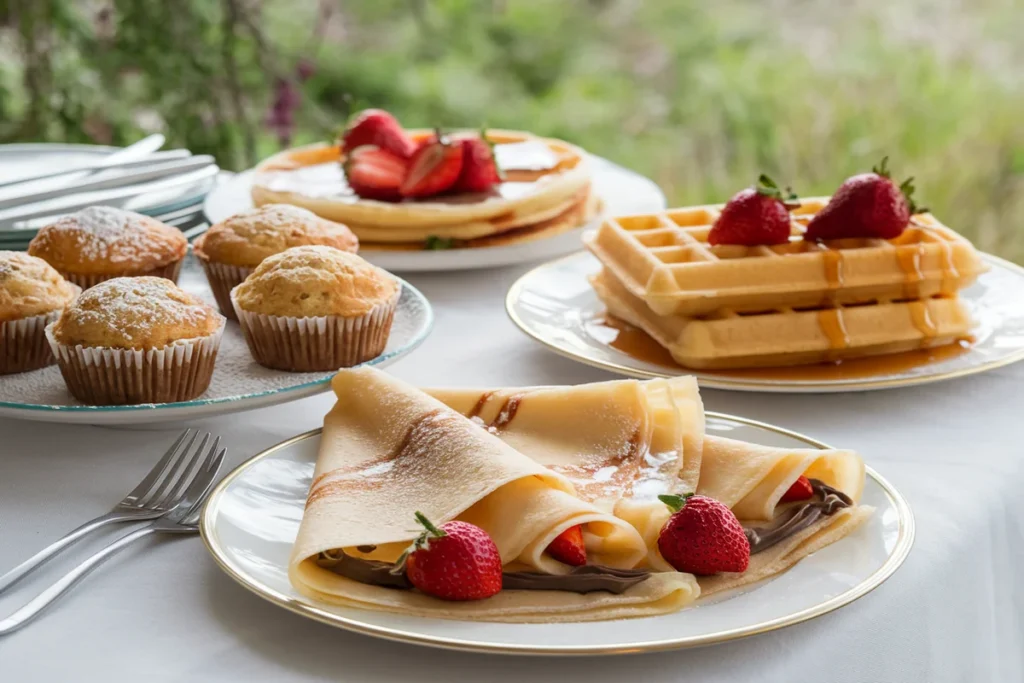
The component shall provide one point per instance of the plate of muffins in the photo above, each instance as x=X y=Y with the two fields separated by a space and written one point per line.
x=110 y=317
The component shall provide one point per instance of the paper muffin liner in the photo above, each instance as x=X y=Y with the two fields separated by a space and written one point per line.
x=223 y=278
x=23 y=344
x=313 y=344
x=102 y=376
x=170 y=272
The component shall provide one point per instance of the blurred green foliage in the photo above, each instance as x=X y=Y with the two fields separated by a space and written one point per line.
x=699 y=96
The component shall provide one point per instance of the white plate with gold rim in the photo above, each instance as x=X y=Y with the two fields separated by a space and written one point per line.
x=555 y=305
x=238 y=382
x=252 y=517
x=623 y=192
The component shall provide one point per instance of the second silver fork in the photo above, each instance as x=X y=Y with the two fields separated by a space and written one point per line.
x=154 y=497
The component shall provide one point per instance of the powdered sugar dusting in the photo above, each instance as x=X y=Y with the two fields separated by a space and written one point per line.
x=133 y=308
x=279 y=217
x=104 y=233
x=236 y=375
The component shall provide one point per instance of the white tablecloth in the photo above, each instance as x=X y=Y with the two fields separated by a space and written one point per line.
x=163 y=611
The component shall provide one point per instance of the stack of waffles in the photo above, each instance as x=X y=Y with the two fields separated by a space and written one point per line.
x=545 y=190
x=801 y=302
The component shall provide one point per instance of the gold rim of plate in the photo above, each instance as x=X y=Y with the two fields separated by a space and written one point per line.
x=713 y=381
x=304 y=607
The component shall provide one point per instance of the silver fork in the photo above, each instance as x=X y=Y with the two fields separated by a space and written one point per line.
x=155 y=495
x=182 y=519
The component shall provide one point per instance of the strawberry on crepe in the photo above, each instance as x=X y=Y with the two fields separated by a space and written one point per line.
x=393 y=461
x=621 y=443
x=791 y=502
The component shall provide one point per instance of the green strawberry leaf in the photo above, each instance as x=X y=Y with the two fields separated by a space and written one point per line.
x=883 y=167
x=421 y=542
x=429 y=526
x=769 y=188
x=907 y=188
x=675 y=502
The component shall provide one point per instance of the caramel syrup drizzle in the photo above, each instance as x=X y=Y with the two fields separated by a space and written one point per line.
x=636 y=343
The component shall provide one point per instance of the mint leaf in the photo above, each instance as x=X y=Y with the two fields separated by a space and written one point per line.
x=435 y=243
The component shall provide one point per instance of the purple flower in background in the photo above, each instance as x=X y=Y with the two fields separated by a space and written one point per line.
x=305 y=69
x=281 y=117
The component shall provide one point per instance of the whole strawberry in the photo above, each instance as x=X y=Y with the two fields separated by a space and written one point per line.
x=568 y=547
x=457 y=561
x=433 y=168
x=377 y=127
x=755 y=216
x=703 y=536
x=801 y=489
x=479 y=169
x=866 y=205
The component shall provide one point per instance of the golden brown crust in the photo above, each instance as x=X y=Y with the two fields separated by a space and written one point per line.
x=103 y=240
x=29 y=286
x=249 y=237
x=314 y=281
x=136 y=313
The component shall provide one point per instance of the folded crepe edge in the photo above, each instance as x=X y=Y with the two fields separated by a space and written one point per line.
x=757 y=499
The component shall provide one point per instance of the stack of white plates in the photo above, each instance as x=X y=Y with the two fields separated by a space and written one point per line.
x=169 y=185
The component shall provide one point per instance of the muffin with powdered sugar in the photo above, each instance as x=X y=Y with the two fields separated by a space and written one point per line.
x=136 y=340
x=316 y=308
x=32 y=295
x=102 y=242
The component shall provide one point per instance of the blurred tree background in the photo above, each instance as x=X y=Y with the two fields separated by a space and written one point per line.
x=700 y=96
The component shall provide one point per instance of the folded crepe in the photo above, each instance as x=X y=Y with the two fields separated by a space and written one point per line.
x=751 y=479
x=389 y=450
x=621 y=443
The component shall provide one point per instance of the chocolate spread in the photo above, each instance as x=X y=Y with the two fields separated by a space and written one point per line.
x=372 y=572
x=586 y=579
x=589 y=578
x=799 y=517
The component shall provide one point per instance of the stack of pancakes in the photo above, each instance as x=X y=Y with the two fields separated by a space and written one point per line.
x=731 y=306
x=546 y=191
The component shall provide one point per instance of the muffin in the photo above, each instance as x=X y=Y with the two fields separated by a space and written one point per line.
x=231 y=249
x=136 y=340
x=316 y=308
x=32 y=295
x=101 y=242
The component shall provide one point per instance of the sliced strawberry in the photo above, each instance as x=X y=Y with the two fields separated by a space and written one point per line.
x=479 y=168
x=433 y=169
x=568 y=547
x=374 y=173
x=377 y=127
x=800 y=490
x=458 y=561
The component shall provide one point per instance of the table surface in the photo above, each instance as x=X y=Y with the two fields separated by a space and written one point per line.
x=162 y=609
